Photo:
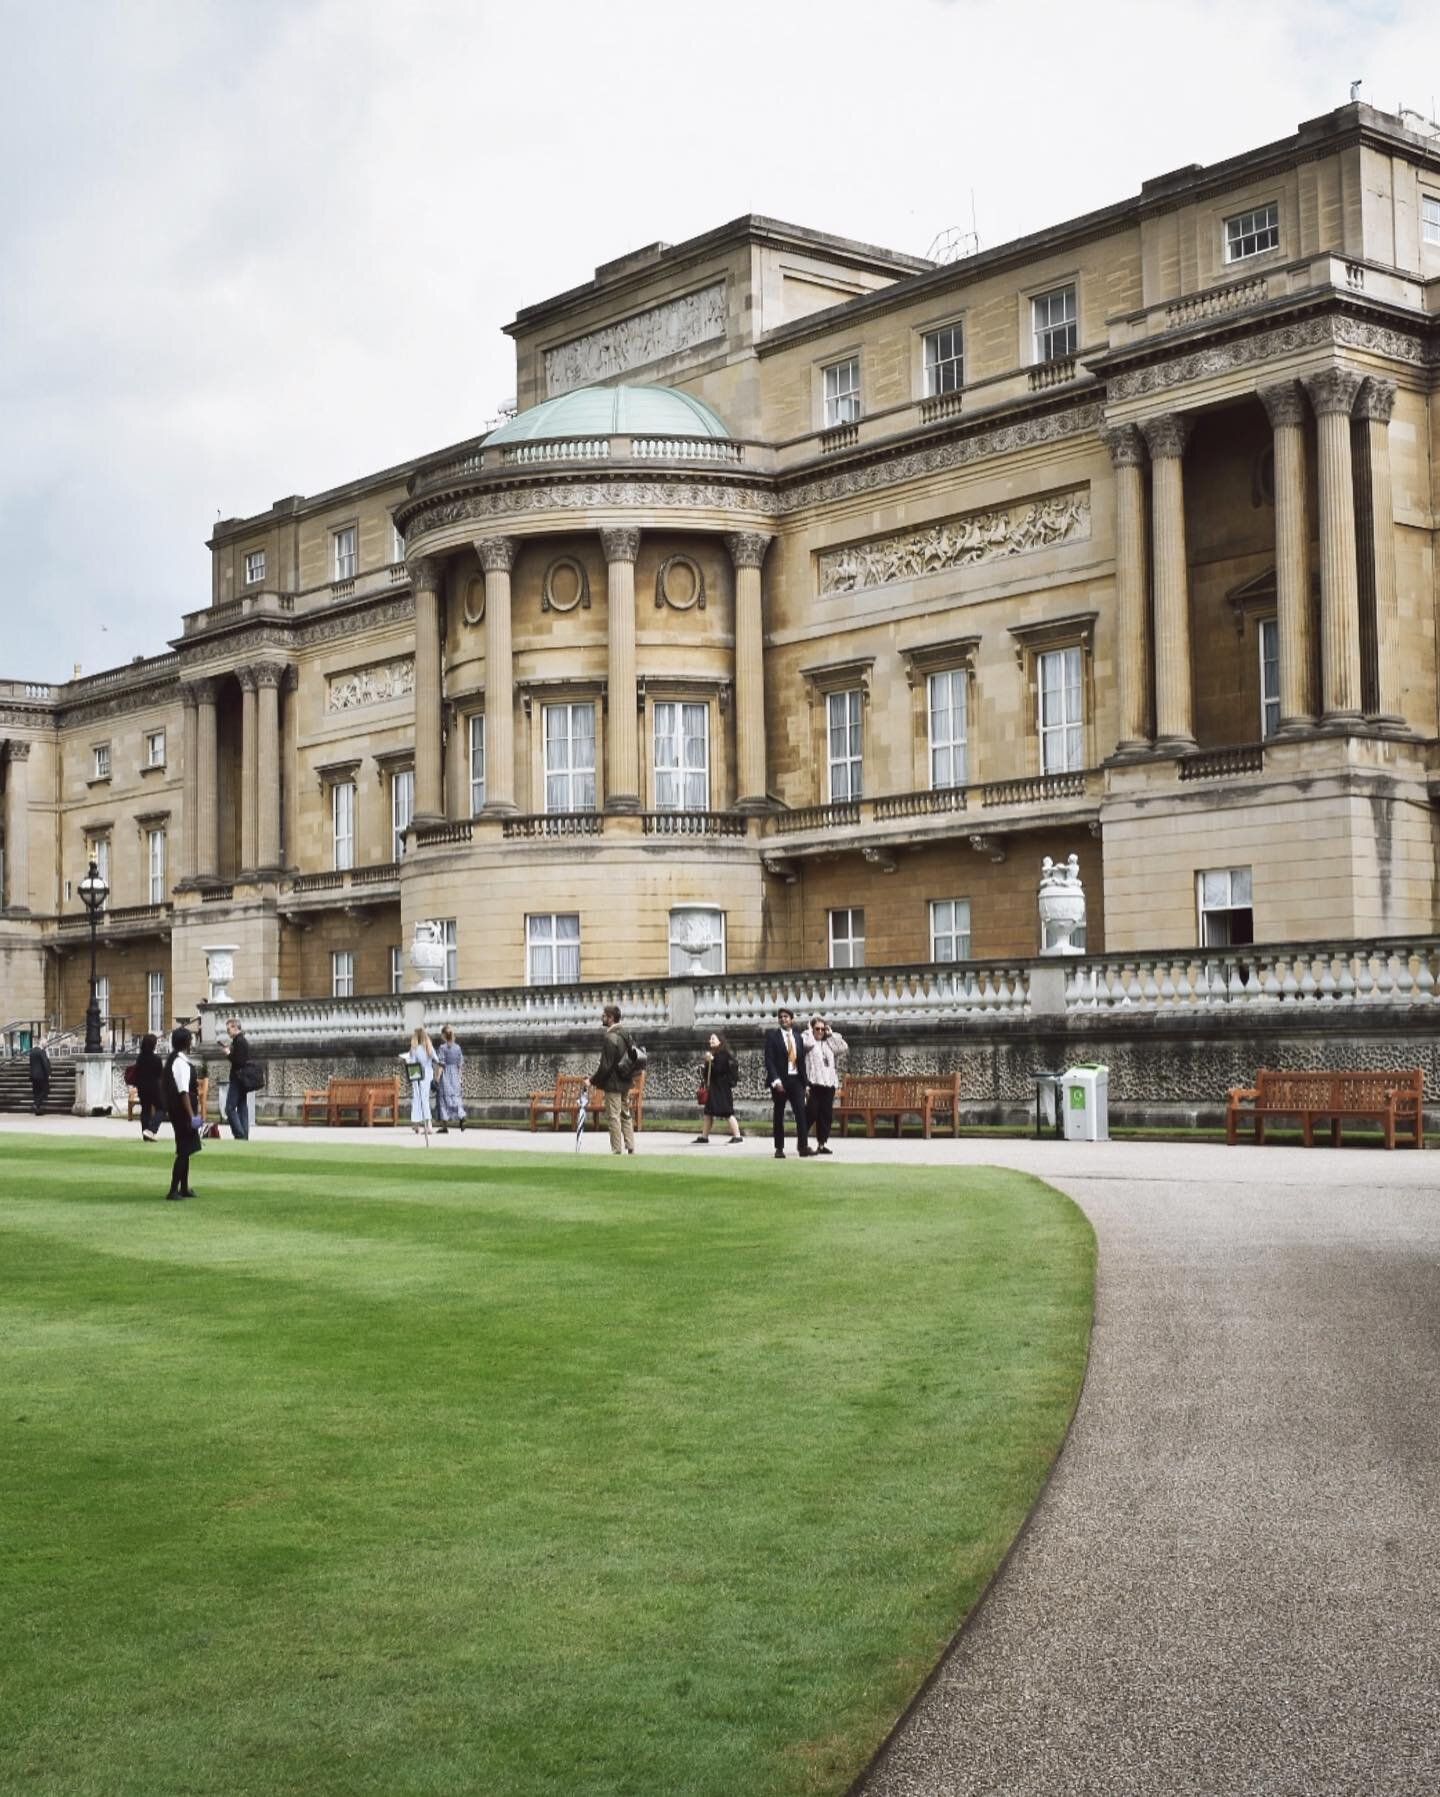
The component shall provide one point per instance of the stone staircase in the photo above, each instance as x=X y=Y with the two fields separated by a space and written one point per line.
x=15 y=1092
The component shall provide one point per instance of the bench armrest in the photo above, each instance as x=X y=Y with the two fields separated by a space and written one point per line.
x=1237 y=1093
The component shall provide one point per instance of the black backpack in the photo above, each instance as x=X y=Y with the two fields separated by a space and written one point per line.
x=632 y=1063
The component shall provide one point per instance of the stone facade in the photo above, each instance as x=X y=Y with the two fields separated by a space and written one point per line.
x=1117 y=541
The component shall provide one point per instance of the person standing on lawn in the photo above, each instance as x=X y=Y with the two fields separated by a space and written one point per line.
x=237 y=1092
x=451 y=1057
x=179 y=1093
x=787 y=1082
x=149 y=1071
x=717 y=1078
x=39 y=1078
x=821 y=1045
x=614 y=1076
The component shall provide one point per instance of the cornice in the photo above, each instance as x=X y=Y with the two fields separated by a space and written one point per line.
x=558 y=490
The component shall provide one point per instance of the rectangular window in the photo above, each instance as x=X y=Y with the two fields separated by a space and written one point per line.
x=1227 y=919
x=397 y=969
x=1053 y=319
x=944 y=361
x=842 y=726
x=842 y=393
x=949 y=929
x=397 y=546
x=154 y=748
x=1252 y=233
x=450 y=938
x=402 y=806
x=682 y=757
x=1269 y=676
x=342 y=823
x=847 y=938
x=343 y=548
x=1061 y=718
x=570 y=757
x=97 y=849
x=1430 y=218
x=254 y=567
x=342 y=973
x=947 y=696
x=155 y=865
x=552 y=949
x=697 y=940
x=155 y=1003
x=102 y=994
x=477 y=764
x=101 y=762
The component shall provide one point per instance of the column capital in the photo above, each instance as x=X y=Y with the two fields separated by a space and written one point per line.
x=16 y=750
x=247 y=679
x=1126 y=445
x=497 y=554
x=748 y=547
x=1166 y=435
x=621 y=545
x=199 y=689
x=425 y=573
x=1284 y=403
x=271 y=673
x=1377 y=399
x=1333 y=390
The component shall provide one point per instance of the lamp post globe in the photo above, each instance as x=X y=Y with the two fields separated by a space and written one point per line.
x=93 y=894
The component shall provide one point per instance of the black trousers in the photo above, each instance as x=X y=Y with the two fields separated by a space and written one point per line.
x=187 y=1142
x=822 y=1105
x=793 y=1095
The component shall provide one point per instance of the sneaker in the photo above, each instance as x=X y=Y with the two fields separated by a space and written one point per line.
x=148 y=1135
x=701 y=1142
x=735 y=1141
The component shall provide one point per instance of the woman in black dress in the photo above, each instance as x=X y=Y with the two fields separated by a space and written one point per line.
x=149 y=1072
x=718 y=1074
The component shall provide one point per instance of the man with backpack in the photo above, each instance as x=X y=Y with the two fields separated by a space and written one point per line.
x=621 y=1064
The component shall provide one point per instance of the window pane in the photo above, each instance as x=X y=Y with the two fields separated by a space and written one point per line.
x=1215 y=888
x=1239 y=885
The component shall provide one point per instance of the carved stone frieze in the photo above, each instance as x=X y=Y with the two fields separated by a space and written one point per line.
x=957 y=543
x=370 y=617
x=610 y=495
x=1309 y=333
x=635 y=342
x=375 y=685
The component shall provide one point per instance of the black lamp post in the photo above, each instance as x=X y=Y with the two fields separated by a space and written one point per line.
x=94 y=892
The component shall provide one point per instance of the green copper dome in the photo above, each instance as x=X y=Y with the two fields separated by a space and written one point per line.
x=613 y=411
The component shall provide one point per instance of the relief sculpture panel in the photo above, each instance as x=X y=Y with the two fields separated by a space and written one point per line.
x=957 y=543
x=637 y=341
x=370 y=686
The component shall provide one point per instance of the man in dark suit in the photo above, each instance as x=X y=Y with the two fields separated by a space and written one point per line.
x=785 y=1071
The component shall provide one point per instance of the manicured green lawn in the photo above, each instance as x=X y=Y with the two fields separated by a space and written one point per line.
x=504 y=1474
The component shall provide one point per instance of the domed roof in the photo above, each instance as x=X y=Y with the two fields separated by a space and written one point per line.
x=606 y=411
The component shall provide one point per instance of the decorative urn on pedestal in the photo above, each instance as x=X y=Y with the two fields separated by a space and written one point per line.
x=427 y=955
x=1062 y=907
x=219 y=971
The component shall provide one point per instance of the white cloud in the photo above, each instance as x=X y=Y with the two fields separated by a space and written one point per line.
x=254 y=249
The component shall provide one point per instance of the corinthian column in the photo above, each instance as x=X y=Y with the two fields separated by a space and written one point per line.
x=17 y=827
x=1132 y=614
x=1332 y=393
x=747 y=551
x=1174 y=727
x=206 y=778
x=425 y=584
x=248 y=769
x=1286 y=408
x=622 y=748
x=497 y=558
x=1377 y=533
x=268 y=676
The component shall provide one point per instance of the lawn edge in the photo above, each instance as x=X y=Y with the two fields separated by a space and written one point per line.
x=967 y=1622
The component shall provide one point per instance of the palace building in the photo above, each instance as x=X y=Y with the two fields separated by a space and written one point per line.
x=812 y=595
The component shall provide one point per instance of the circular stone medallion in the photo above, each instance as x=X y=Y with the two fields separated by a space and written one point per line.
x=680 y=584
x=566 y=585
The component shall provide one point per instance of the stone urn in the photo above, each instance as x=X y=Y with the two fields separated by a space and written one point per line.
x=695 y=938
x=427 y=956
x=1062 y=906
x=219 y=971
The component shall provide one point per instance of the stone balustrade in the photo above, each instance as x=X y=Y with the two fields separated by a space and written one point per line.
x=1388 y=971
x=1223 y=764
x=1052 y=374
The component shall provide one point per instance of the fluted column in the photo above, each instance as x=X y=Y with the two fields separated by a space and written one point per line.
x=425 y=575
x=189 y=792
x=622 y=746
x=268 y=676
x=747 y=551
x=17 y=827
x=1332 y=393
x=1174 y=705
x=1377 y=528
x=207 y=773
x=248 y=770
x=1285 y=405
x=497 y=558
x=1132 y=612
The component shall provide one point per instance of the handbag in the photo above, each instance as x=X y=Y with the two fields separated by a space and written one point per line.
x=702 y=1096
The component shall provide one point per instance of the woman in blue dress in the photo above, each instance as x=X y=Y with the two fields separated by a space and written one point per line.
x=451 y=1058
x=421 y=1054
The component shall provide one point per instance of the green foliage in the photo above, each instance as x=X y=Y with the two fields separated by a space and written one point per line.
x=368 y=1472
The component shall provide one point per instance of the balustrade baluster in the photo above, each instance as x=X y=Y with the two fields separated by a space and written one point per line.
x=1424 y=979
x=1404 y=981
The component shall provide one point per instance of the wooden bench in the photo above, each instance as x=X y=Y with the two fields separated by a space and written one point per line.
x=367 y=1101
x=564 y=1101
x=1391 y=1099
x=873 y=1095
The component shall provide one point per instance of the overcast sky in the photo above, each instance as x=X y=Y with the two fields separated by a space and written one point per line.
x=250 y=249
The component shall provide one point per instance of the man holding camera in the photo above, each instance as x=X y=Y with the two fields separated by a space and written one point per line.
x=821 y=1045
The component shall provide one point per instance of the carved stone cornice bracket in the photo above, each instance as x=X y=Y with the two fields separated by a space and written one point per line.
x=781 y=867
x=884 y=859
x=993 y=846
